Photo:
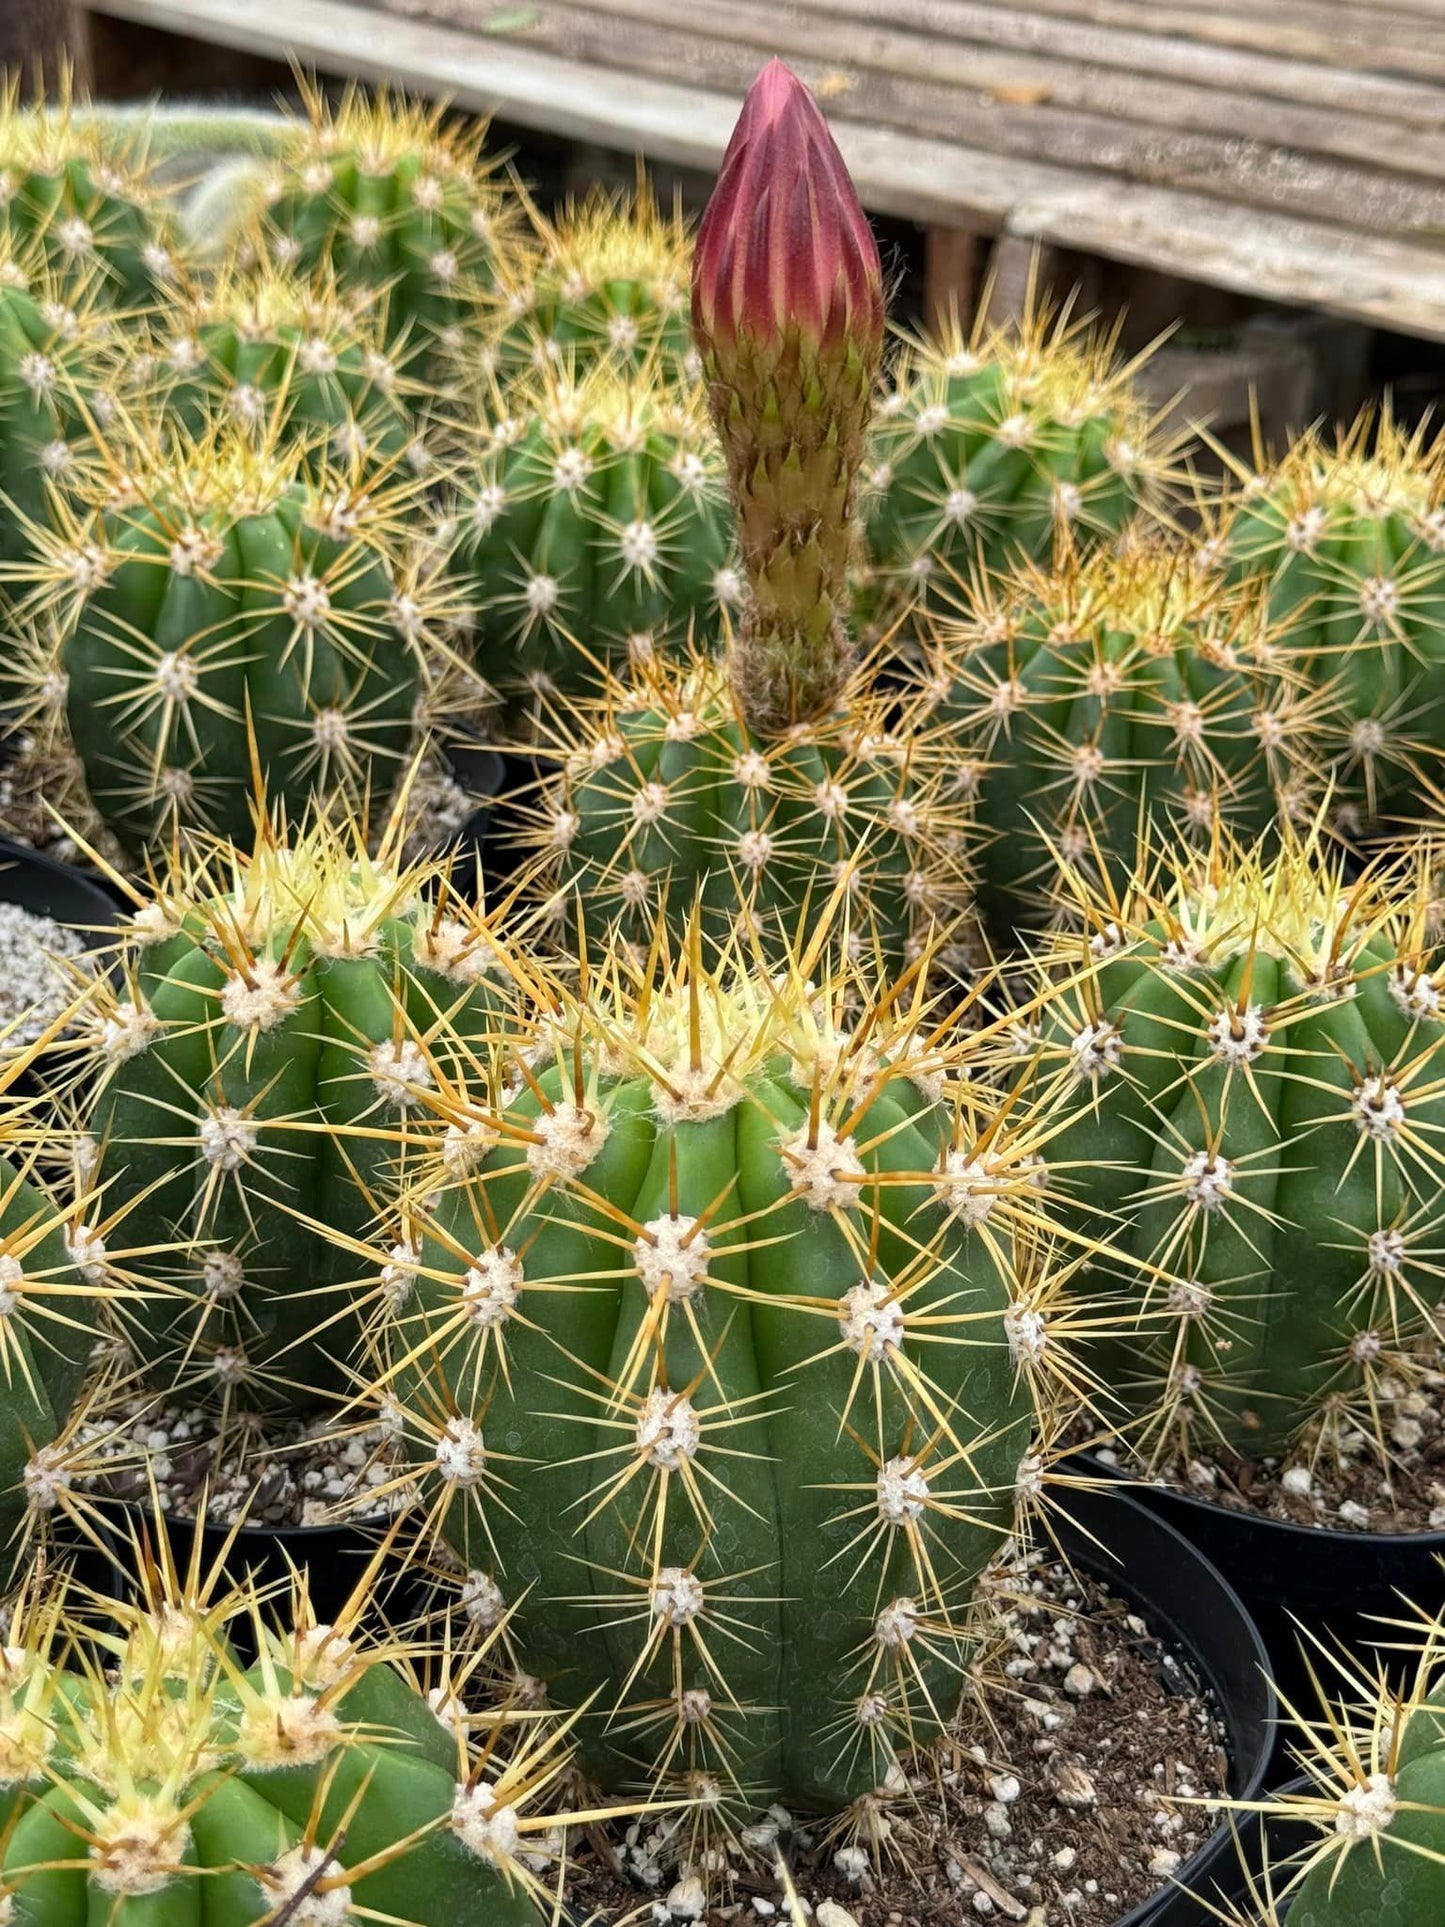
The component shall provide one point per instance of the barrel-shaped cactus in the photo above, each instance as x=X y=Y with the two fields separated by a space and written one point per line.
x=1347 y=539
x=151 y=1774
x=265 y=1011
x=222 y=607
x=1253 y=1047
x=592 y=523
x=710 y=1365
x=394 y=198
x=666 y=798
x=50 y=366
x=283 y=355
x=989 y=448
x=606 y=281
x=1081 y=699
x=80 y=189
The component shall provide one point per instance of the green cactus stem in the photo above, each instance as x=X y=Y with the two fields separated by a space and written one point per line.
x=711 y=1365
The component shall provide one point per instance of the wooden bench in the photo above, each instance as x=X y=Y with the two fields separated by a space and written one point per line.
x=1291 y=150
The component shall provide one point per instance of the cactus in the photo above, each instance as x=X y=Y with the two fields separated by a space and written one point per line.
x=1079 y=700
x=754 y=785
x=50 y=362
x=1366 y=1835
x=260 y=1012
x=608 y=283
x=1255 y=1048
x=667 y=798
x=710 y=1363
x=1348 y=539
x=988 y=448
x=79 y=189
x=283 y=356
x=594 y=525
x=213 y=603
x=393 y=198
x=152 y=1774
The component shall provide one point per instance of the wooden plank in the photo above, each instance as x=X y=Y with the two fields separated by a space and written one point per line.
x=1027 y=32
x=950 y=275
x=1253 y=174
x=1320 y=264
x=39 y=37
x=1382 y=42
x=1010 y=76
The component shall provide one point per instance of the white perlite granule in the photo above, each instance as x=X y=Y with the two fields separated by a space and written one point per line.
x=34 y=987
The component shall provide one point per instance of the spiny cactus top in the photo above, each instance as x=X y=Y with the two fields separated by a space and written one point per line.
x=86 y=199
x=591 y=524
x=711 y=1363
x=1373 y=1813
x=210 y=595
x=1085 y=697
x=1349 y=538
x=151 y=1775
x=787 y=308
x=1256 y=1056
x=988 y=448
x=393 y=196
x=279 y=353
x=666 y=797
x=608 y=281
x=265 y=1009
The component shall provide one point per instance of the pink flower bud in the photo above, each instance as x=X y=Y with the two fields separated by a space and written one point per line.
x=785 y=246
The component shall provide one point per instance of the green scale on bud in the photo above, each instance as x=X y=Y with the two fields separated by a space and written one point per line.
x=150 y=1776
x=219 y=607
x=1347 y=540
x=712 y=1367
x=1252 y=1052
x=1080 y=700
x=82 y=194
x=394 y=200
x=987 y=451
x=607 y=280
x=266 y=1008
x=593 y=525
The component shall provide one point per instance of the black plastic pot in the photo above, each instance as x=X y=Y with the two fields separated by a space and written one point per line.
x=1339 y=1584
x=334 y=1558
x=52 y=889
x=1187 y=1604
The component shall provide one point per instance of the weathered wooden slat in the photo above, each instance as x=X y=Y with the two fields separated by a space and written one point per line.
x=1012 y=76
x=1251 y=174
x=1383 y=41
x=1321 y=264
x=1025 y=30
